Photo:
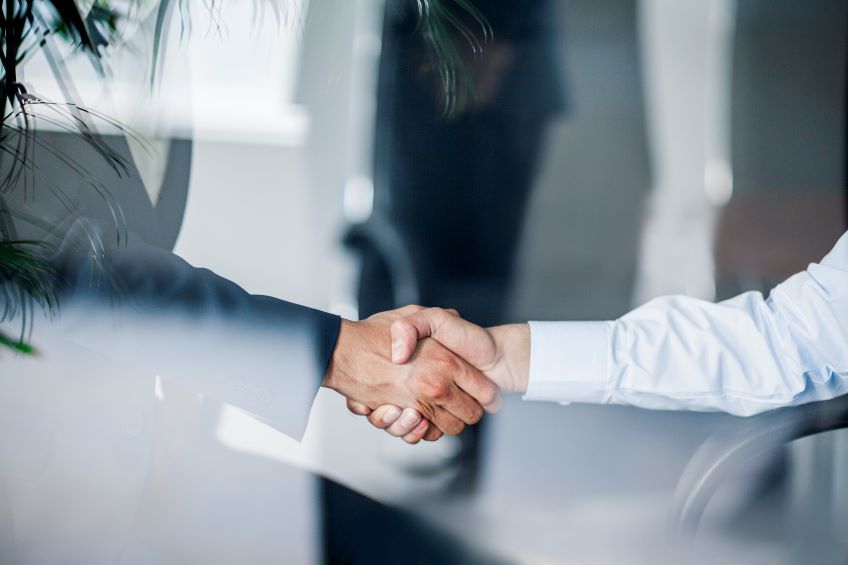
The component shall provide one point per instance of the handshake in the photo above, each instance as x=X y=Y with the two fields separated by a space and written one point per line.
x=420 y=372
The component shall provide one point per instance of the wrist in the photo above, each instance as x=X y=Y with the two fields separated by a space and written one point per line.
x=336 y=375
x=512 y=368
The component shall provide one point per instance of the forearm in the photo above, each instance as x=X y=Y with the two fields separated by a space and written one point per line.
x=742 y=356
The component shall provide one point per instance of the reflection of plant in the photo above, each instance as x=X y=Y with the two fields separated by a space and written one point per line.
x=27 y=280
x=439 y=24
x=28 y=26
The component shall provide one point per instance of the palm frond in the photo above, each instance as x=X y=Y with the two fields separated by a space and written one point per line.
x=27 y=26
x=27 y=282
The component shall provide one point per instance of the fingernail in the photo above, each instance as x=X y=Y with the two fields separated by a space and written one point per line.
x=396 y=346
x=410 y=418
x=392 y=413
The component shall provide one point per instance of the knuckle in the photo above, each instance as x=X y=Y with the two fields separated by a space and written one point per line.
x=409 y=309
x=426 y=410
x=439 y=314
x=449 y=364
x=434 y=388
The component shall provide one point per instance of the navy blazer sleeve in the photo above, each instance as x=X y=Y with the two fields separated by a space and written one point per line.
x=146 y=307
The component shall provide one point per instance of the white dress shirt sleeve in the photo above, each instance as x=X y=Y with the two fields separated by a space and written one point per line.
x=743 y=356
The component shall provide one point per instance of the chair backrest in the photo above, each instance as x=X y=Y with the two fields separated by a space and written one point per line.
x=727 y=454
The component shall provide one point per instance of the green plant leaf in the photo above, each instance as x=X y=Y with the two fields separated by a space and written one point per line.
x=17 y=346
x=27 y=281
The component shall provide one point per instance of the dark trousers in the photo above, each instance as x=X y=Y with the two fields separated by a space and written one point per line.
x=455 y=191
x=458 y=199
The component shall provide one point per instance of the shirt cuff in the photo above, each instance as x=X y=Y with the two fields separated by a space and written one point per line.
x=568 y=362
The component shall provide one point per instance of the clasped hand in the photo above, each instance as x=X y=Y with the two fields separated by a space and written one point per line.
x=420 y=373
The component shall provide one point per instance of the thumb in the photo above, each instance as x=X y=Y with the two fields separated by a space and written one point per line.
x=469 y=341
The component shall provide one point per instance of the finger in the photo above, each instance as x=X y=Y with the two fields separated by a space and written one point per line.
x=461 y=405
x=384 y=416
x=357 y=408
x=447 y=422
x=433 y=433
x=418 y=432
x=479 y=387
x=407 y=331
x=405 y=336
x=467 y=340
x=409 y=419
x=453 y=312
x=495 y=406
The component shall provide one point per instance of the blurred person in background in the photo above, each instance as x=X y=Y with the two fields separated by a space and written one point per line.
x=453 y=184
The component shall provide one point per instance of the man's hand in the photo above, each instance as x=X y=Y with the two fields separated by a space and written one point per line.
x=502 y=353
x=436 y=383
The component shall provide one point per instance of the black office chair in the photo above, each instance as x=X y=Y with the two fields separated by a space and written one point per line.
x=727 y=453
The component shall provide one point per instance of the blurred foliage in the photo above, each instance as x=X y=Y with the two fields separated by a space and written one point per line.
x=27 y=281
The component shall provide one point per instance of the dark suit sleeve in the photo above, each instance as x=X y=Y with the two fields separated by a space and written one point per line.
x=150 y=309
